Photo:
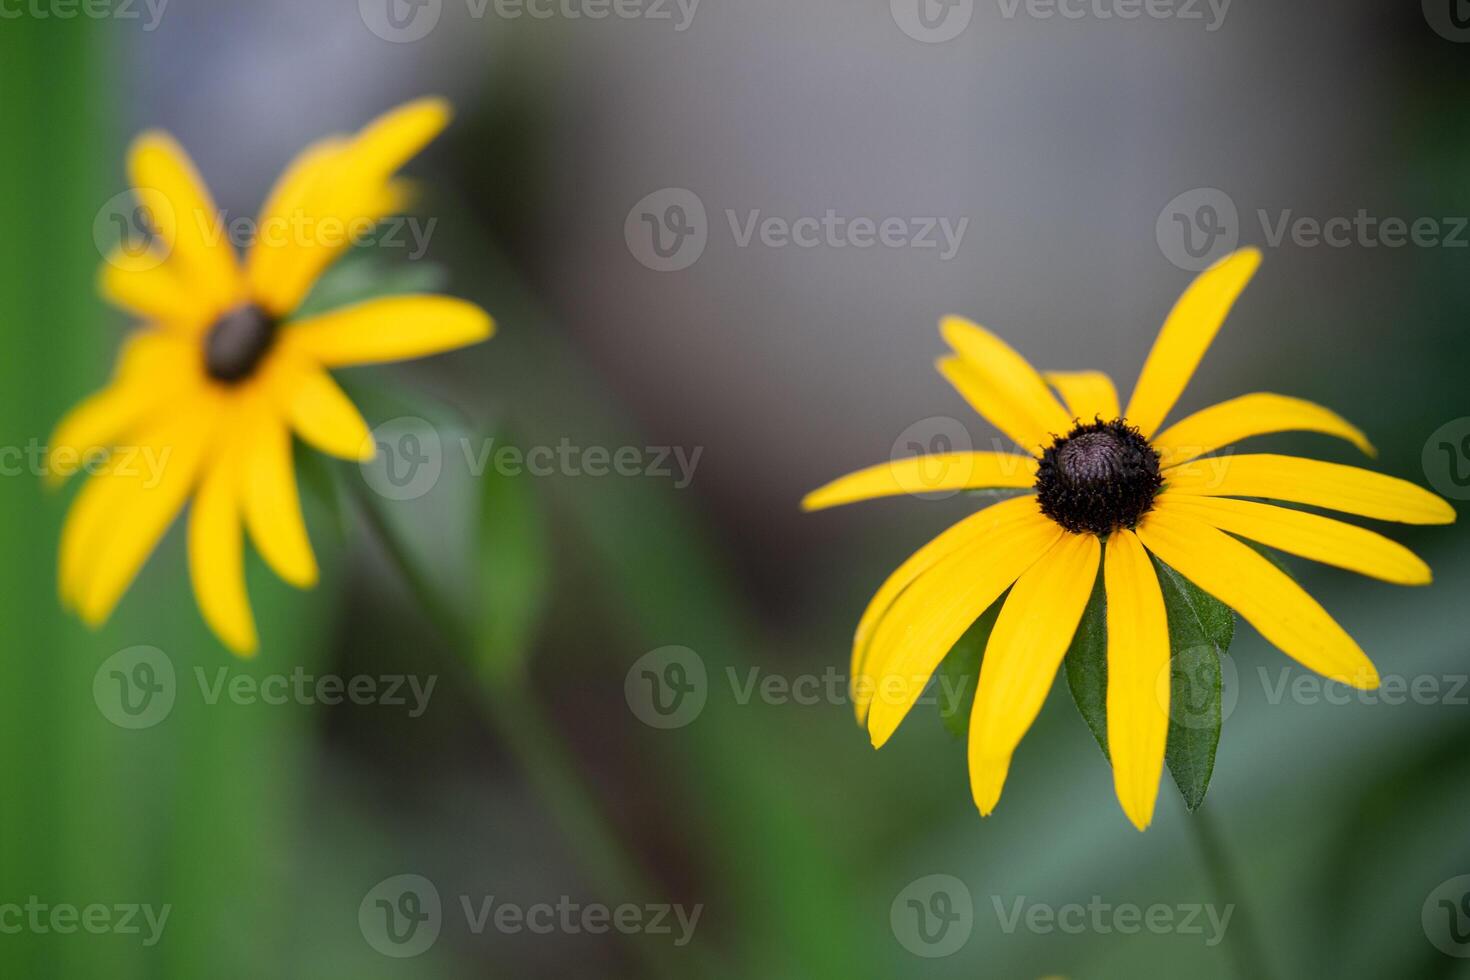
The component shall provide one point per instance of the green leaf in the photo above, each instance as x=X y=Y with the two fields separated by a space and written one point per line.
x=961 y=669
x=360 y=276
x=1087 y=665
x=1201 y=629
x=1200 y=632
x=513 y=571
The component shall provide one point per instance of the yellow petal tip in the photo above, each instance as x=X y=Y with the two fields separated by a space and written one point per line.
x=878 y=737
x=1140 y=820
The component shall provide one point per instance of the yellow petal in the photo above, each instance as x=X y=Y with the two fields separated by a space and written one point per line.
x=931 y=615
x=391 y=329
x=91 y=427
x=272 y=504
x=925 y=474
x=1312 y=482
x=287 y=227
x=153 y=368
x=987 y=777
x=1266 y=597
x=324 y=416
x=1088 y=394
x=1026 y=647
x=1308 y=535
x=151 y=487
x=91 y=515
x=216 y=557
x=1138 y=658
x=191 y=226
x=149 y=287
x=1251 y=415
x=336 y=187
x=161 y=359
x=1002 y=385
x=1186 y=335
x=954 y=538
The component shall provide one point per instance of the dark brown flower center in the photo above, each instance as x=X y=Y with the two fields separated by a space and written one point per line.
x=1098 y=477
x=237 y=342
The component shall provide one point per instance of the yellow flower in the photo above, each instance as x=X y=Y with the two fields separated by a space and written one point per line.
x=207 y=393
x=1116 y=484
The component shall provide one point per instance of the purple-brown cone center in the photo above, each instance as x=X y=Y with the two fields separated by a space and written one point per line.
x=237 y=342
x=1098 y=477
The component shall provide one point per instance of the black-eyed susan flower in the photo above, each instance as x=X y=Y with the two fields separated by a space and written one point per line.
x=208 y=393
x=1108 y=486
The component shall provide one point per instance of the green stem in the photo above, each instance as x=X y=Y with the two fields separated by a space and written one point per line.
x=1246 y=949
x=545 y=760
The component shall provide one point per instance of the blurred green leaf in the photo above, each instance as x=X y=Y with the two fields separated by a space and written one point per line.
x=514 y=574
x=361 y=275
x=961 y=669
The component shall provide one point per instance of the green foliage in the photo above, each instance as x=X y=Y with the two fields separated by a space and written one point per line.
x=1200 y=632
x=1086 y=664
x=514 y=574
x=361 y=275
x=961 y=669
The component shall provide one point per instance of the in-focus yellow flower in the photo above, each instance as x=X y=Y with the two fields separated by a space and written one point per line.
x=207 y=394
x=1108 y=488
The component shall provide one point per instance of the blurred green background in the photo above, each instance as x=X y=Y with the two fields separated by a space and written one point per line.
x=265 y=828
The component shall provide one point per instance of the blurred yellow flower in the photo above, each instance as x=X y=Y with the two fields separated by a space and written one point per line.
x=1106 y=493
x=211 y=388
